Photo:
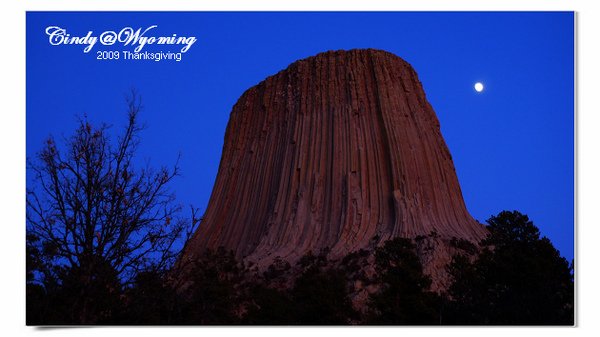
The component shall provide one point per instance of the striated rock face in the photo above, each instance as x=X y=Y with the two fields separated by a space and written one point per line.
x=339 y=151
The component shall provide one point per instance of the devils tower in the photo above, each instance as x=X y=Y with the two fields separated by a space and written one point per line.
x=338 y=151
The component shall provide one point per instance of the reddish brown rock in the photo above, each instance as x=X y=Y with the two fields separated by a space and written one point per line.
x=333 y=151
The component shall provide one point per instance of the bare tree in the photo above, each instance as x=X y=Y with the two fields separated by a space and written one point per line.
x=91 y=209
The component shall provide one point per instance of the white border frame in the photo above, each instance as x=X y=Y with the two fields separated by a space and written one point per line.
x=12 y=148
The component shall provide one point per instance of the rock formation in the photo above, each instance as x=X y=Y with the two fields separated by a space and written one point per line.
x=339 y=151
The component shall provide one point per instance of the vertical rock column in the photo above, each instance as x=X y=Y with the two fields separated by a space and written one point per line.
x=333 y=151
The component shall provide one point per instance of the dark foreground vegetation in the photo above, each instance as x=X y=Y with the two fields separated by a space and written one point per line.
x=102 y=240
x=522 y=280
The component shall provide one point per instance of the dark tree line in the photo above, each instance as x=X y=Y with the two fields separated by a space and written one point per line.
x=103 y=236
x=521 y=281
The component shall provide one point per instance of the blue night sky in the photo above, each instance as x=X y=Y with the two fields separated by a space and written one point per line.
x=512 y=144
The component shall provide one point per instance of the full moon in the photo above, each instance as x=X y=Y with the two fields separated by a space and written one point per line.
x=479 y=87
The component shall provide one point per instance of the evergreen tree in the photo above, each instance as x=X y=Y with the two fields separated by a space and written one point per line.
x=320 y=293
x=403 y=297
x=518 y=278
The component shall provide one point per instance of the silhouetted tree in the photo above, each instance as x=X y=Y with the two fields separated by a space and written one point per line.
x=320 y=294
x=270 y=306
x=152 y=300
x=216 y=289
x=35 y=291
x=97 y=219
x=403 y=297
x=518 y=278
